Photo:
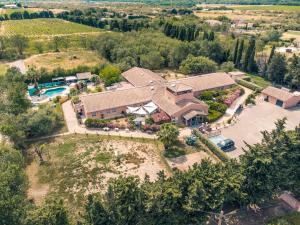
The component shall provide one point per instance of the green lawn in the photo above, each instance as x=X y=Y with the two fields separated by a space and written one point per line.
x=44 y=27
x=260 y=81
x=268 y=7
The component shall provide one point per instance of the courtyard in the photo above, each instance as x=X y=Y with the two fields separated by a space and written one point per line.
x=255 y=119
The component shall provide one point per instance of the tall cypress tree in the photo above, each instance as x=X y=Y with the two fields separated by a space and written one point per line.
x=271 y=54
x=236 y=48
x=277 y=69
x=205 y=35
x=240 y=54
x=248 y=62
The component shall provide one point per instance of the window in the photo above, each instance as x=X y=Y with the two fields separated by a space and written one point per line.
x=113 y=110
x=94 y=114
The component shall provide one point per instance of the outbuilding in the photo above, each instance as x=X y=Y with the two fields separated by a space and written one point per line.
x=281 y=97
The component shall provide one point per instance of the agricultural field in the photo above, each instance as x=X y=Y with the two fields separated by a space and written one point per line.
x=43 y=27
x=291 y=35
x=77 y=165
x=235 y=15
x=266 y=7
x=67 y=60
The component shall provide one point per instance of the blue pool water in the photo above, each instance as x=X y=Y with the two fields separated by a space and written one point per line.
x=217 y=139
x=54 y=92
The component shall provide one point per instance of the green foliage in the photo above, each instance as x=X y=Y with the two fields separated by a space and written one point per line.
x=227 y=67
x=41 y=122
x=197 y=65
x=110 y=74
x=13 y=185
x=293 y=75
x=269 y=166
x=51 y=212
x=168 y=134
x=290 y=219
x=20 y=42
x=277 y=69
x=17 y=120
x=249 y=85
x=249 y=64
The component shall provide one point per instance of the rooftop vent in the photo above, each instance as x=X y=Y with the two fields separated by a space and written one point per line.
x=151 y=88
x=173 y=85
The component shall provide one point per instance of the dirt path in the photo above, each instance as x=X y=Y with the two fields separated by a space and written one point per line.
x=36 y=191
x=19 y=64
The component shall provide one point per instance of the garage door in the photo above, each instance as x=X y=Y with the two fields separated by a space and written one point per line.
x=279 y=103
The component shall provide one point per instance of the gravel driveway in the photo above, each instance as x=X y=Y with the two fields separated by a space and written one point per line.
x=255 y=119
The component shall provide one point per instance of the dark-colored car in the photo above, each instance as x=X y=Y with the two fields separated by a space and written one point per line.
x=226 y=145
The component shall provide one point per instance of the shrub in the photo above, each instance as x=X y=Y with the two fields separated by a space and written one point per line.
x=211 y=146
x=213 y=115
x=249 y=85
x=96 y=123
x=197 y=65
x=216 y=106
x=75 y=99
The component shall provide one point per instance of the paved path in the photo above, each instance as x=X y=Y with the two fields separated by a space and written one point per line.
x=19 y=64
x=75 y=127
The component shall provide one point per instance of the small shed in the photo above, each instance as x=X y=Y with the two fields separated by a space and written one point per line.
x=281 y=97
x=84 y=76
x=71 y=79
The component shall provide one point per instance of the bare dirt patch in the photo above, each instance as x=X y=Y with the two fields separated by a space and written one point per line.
x=37 y=191
x=78 y=165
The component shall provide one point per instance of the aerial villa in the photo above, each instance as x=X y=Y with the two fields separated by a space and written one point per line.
x=176 y=98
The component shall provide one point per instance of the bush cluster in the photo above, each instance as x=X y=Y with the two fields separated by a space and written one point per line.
x=249 y=85
x=101 y=123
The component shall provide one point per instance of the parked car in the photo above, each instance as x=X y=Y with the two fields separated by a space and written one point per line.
x=226 y=145
x=106 y=129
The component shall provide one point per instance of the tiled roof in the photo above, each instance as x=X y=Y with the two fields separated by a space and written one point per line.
x=83 y=76
x=277 y=93
x=113 y=99
x=179 y=87
x=141 y=77
x=208 y=81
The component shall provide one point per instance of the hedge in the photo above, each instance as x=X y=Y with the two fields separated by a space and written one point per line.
x=211 y=146
x=249 y=85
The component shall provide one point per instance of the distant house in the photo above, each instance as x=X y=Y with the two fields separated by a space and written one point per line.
x=236 y=74
x=71 y=79
x=10 y=6
x=176 y=99
x=213 y=23
x=281 y=97
x=290 y=49
x=84 y=76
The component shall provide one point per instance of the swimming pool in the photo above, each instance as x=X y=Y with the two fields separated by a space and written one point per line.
x=217 y=139
x=54 y=92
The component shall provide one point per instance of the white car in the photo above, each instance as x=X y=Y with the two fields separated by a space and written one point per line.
x=106 y=128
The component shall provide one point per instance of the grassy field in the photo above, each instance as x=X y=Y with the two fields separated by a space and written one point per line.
x=266 y=7
x=3 y=68
x=260 y=81
x=43 y=27
x=291 y=34
x=67 y=60
x=77 y=165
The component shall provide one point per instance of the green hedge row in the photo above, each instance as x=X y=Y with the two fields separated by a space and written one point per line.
x=218 y=152
x=249 y=85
